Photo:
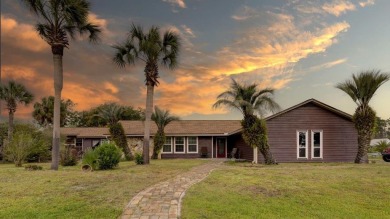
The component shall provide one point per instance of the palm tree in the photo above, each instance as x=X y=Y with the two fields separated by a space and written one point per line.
x=13 y=94
x=60 y=19
x=361 y=89
x=250 y=101
x=111 y=113
x=43 y=112
x=153 y=50
x=162 y=118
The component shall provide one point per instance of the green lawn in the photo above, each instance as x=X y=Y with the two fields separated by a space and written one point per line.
x=292 y=191
x=71 y=193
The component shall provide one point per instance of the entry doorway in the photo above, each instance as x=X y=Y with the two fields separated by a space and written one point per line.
x=221 y=147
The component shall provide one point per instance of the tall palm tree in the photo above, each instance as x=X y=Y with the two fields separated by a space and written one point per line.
x=162 y=118
x=154 y=50
x=58 y=20
x=250 y=101
x=13 y=94
x=361 y=89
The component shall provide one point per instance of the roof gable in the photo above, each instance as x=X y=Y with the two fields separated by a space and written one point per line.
x=316 y=103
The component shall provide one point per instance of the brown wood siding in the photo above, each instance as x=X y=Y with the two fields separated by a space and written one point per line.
x=244 y=151
x=203 y=141
x=339 y=135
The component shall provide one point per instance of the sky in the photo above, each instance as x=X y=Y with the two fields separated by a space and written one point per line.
x=300 y=48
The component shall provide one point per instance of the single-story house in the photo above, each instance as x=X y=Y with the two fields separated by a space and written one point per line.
x=308 y=132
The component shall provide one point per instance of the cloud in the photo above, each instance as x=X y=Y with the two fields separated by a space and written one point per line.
x=245 y=13
x=366 y=3
x=21 y=35
x=338 y=7
x=176 y=3
x=328 y=64
x=188 y=31
x=262 y=54
x=102 y=23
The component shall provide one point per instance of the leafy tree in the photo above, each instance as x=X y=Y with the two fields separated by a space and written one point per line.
x=14 y=94
x=152 y=49
x=59 y=20
x=380 y=128
x=28 y=143
x=250 y=101
x=43 y=112
x=361 y=89
x=162 y=118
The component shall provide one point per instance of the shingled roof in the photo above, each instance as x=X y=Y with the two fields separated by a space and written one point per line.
x=186 y=127
x=85 y=132
x=175 y=128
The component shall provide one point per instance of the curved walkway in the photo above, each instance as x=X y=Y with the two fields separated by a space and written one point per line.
x=163 y=200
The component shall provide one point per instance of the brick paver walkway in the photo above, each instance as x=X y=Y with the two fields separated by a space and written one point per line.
x=163 y=200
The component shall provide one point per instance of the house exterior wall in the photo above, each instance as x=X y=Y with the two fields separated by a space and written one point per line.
x=339 y=135
x=244 y=151
x=136 y=145
x=203 y=141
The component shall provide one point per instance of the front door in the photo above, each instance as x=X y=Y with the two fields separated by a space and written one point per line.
x=221 y=147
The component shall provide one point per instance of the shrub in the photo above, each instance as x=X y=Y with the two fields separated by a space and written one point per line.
x=138 y=158
x=39 y=150
x=20 y=146
x=68 y=157
x=33 y=167
x=90 y=158
x=108 y=156
x=380 y=146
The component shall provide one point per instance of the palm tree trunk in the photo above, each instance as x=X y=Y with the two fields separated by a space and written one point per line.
x=10 y=124
x=148 y=115
x=58 y=83
x=268 y=157
x=364 y=119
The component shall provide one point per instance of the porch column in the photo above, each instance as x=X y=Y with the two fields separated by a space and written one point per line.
x=255 y=155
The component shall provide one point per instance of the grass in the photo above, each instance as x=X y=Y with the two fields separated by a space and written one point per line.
x=71 y=193
x=336 y=190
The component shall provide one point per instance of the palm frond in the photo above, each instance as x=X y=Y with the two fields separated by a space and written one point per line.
x=247 y=99
x=162 y=118
x=363 y=86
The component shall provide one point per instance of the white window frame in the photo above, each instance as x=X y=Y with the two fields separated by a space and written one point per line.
x=170 y=152
x=188 y=145
x=321 y=144
x=306 y=143
x=96 y=140
x=184 y=145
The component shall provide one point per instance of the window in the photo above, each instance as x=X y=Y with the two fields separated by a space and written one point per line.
x=167 y=148
x=79 y=142
x=302 y=144
x=179 y=145
x=95 y=143
x=316 y=144
x=192 y=145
